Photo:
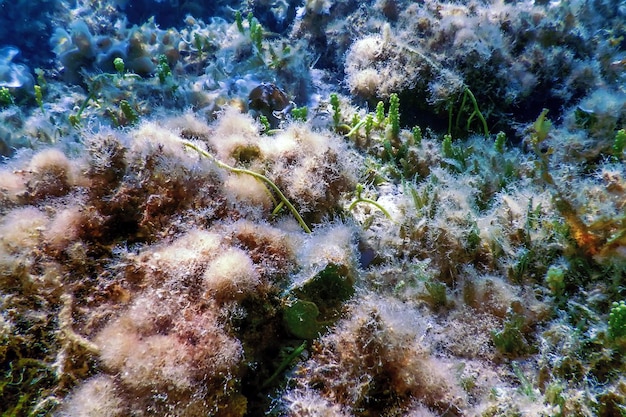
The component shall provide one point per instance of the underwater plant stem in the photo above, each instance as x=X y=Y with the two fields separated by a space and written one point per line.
x=296 y=352
x=256 y=175
x=477 y=111
x=360 y=199
x=355 y=129
x=467 y=93
x=83 y=106
x=372 y=202
x=458 y=116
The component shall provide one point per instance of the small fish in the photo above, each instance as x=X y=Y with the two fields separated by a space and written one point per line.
x=269 y=100
x=266 y=97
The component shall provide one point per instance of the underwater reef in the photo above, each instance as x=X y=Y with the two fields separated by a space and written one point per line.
x=313 y=208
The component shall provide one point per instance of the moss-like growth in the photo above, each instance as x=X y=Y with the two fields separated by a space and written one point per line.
x=39 y=98
x=617 y=320
x=555 y=279
x=118 y=64
x=131 y=116
x=510 y=340
x=6 y=98
x=164 y=72
x=394 y=116
x=336 y=109
x=619 y=143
